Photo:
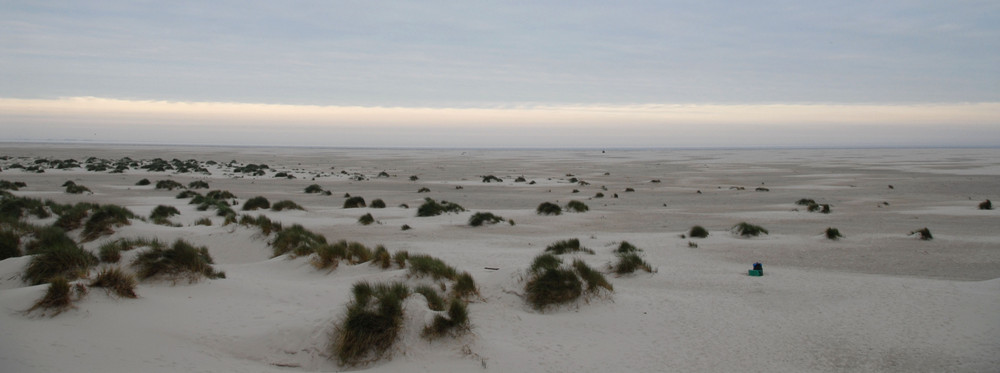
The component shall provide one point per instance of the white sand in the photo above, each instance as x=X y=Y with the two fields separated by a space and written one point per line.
x=877 y=300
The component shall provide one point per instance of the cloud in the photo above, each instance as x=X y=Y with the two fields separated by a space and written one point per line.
x=509 y=126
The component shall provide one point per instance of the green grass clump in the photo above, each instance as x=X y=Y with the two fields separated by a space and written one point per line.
x=354 y=202
x=286 y=205
x=698 y=232
x=296 y=240
x=567 y=246
x=378 y=203
x=805 y=202
x=457 y=320
x=265 y=224
x=923 y=233
x=832 y=233
x=314 y=188
x=188 y=194
x=823 y=208
x=11 y=185
x=198 y=184
x=143 y=182
x=366 y=219
x=72 y=217
x=986 y=205
x=381 y=257
x=465 y=285
x=625 y=247
x=372 y=324
x=426 y=265
x=748 y=230
x=577 y=206
x=480 y=218
x=553 y=286
x=104 y=219
x=328 y=256
x=629 y=263
x=400 y=257
x=181 y=260
x=62 y=259
x=73 y=188
x=548 y=208
x=116 y=281
x=163 y=212
x=220 y=195
x=13 y=208
x=45 y=237
x=255 y=203
x=57 y=297
x=110 y=252
x=594 y=280
x=434 y=300
x=431 y=207
x=168 y=185
x=544 y=262
x=10 y=244
x=203 y=221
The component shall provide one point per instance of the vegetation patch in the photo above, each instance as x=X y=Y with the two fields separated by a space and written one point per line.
x=548 y=208
x=491 y=178
x=457 y=320
x=366 y=219
x=266 y=225
x=745 y=229
x=986 y=205
x=181 y=260
x=10 y=244
x=314 y=188
x=354 y=202
x=832 y=233
x=923 y=233
x=426 y=265
x=296 y=240
x=378 y=203
x=57 y=298
x=73 y=188
x=116 y=281
x=143 y=182
x=163 y=212
x=577 y=206
x=104 y=219
x=63 y=259
x=481 y=218
x=567 y=246
x=698 y=232
x=285 y=205
x=198 y=184
x=168 y=185
x=256 y=203
x=371 y=325
x=431 y=207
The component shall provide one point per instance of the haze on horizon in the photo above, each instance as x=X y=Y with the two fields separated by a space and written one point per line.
x=511 y=74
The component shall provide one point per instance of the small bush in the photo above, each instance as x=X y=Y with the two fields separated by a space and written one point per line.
x=480 y=218
x=698 y=232
x=168 y=185
x=986 y=205
x=400 y=258
x=378 y=204
x=553 y=286
x=594 y=280
x=143 y=182
x=10 y=244
x=431 y=207
x=465 y=285
x=923 y=233
x=220 y=195
x=629 y=263
x=371 y=325
x=198 y=184
x=832 y=233
x=424 y=190
x=567 y=246
x=63 y=259
x=354 y=202
x=57 y=297
x=544 y=262
x=381 y=257
x=72 y=218
x=748 y=230
x=458 y=319
x=188 y=194
x=491 y=178
x=73 y=188
x=116 y=281
x=548 y=208
x=805 y=202
x=599 y=195
x=163 y=212
x=314 y=188
x=414 y=178
x=182 y=259
x=578 y=206
x=366 y=219
x=406 y=227
x=296 y=240
x=285 y=205
x=625 y=247
x=256 y=203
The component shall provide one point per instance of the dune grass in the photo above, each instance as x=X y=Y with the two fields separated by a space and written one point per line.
x=45 y=237
x=354 y=202
x=366 y=219
x=181 y=260
x=296 y=240
x=594 y=280
x=553 y=286
x=168 y=185
x=434 y=300
x=314 y=188
x=116 y=281
x=10 y=243
x=465 y=285
x=629 y=263
x=57 y=298
x=456 y=321
x=832 y=233
x=14 y=208
x=431 y=207
x=567 y=246
x=371 y=325
x=745 y=229
x=286 y=205
x=426 y=265
x=548 y=208
x=381 y=257
x=544 y=262
x=262 y=222
x=400 y=257
x=698 y=232
x=377 y=203
x=61 y=259
x=72 y=217
x=104 y=219
x=198 y=184
x=255 y=203
x=923 y=233
x=73 y=188
x=481 y=218
x=577 y=206
x=163 y=212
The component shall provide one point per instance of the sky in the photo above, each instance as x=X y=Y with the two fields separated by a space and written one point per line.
x=502 y=73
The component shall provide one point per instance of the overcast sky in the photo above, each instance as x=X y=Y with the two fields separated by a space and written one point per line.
x=502 y=73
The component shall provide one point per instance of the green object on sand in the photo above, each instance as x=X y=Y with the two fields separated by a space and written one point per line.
x=756 y=272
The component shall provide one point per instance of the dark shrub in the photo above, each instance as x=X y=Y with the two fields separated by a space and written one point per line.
x=748 y=230
x=424 y=190
x=198 y=184
x=434 y=300
x=72 y=218
x=296 y=240
x=625 y=247
x=567 y=246
x=406 y=227
x=544 y=262
x=431 y=207
x=66 y=260
x=832 y=233
x=923 y=233
x=378 y=204
x=491 y=178
x=314 y=188
x=354 y=202
x=578 y=206
x=182 y=259
x=414 y=178
x=57 y=297
x=594 y=280
x=698 y=232
x=256 y=203
x=73 y=188
x=10 y=244
x=465 y=285
x=424 y=265
x=630 y=262
x=168 y=185
x=143 y=182
x=366 y=219
x=163 y=212
x=986 y=205
x=548 y=208
x=458 y=319
x=286 y=205
x=480 y=218
x=371 y=325
x=553 y=286
x=220 y=195
x=11 y=185
x=188 y=194
x=13 y=208
x=805 y=202
x=115 y=281
x=45 y=237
